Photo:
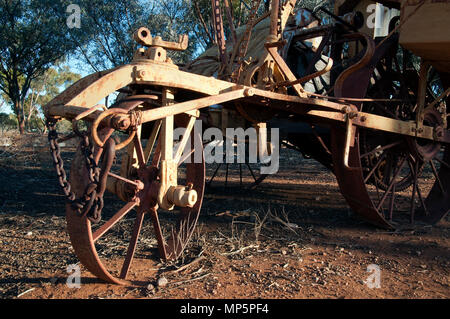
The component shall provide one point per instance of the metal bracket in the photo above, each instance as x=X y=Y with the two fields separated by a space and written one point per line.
x=144 y=37
x=349 y=139
x=421 y=96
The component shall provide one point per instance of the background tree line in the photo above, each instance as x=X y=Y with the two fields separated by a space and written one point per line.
x=37 y=45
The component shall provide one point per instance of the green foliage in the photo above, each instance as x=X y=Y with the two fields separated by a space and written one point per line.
x=50 y=84
x=110 y=26
x=42 y=90
x=7 y=121
x=112 y=23
x=64 y=126
x=34 y=35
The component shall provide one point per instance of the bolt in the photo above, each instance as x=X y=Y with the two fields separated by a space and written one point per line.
x=141 y=74
x=363 y=118
x=120 y=122
x=139 y=185
x=353 y=115
x=249 y=92
x=439 y=132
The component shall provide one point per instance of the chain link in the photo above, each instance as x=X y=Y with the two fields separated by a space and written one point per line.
x=89 y=204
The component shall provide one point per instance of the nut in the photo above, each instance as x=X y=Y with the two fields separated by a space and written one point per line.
x=141 y=74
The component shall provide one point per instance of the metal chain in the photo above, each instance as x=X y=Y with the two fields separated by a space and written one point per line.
x=218 y=28
x=280 y=17
x=58 y=161
x=89 y=204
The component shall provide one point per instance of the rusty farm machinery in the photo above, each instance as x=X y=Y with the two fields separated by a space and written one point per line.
x=371 y=104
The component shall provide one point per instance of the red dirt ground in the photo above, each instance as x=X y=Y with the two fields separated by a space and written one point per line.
x=292 y=237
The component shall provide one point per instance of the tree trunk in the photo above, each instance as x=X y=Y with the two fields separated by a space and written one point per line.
x=18 y=109
x=21 y=121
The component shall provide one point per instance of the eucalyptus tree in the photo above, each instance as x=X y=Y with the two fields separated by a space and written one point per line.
x=34 y=35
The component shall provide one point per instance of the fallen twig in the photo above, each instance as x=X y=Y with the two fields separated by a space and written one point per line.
x=195 y=261
x=192 y=279
x=25 y=292
x=240 y=250
x=286 y=223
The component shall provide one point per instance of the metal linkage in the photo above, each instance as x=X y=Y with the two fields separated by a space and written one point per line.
x=220 y=36
x=241 y=49
x=91 y=203
x=58 y=161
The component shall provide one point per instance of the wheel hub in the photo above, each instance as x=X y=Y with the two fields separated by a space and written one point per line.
x=426 y=150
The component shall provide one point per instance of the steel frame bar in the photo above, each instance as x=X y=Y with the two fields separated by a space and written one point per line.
x=220 y=92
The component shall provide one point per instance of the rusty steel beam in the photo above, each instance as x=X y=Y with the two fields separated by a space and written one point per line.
x=302 y=106
x=162 y=112
x=69 y=112
x=317 y=108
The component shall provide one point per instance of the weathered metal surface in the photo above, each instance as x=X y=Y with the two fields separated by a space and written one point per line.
x=425 y=31
x=277 y=67
x=143 y=36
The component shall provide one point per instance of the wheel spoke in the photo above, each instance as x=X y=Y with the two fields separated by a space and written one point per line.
x=139 y=151
x=123 y=179
x=132 y=246
x=391 y=206
x=226 y=175
x=185 y=139
x=240 y=175
x=158 y=233
x=110 y=223
x=442 y=162
x=379 y=149
x=414 y=187
x=414 y=173
x=436 y=175
x=251 y=172
x=215 y=172
x=380 y=160
x=157 y=156
x=185 y=157
x=152 y=140
x=388 y=169
x=402 y=163
x=422 y=200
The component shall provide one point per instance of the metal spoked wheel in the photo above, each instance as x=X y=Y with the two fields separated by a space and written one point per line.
x=392 y=180
x=137 y=184
x=223 y=175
